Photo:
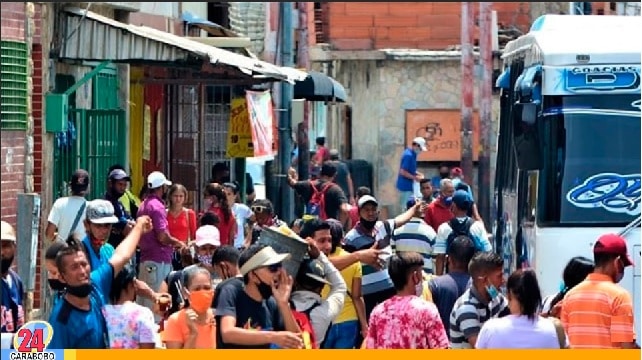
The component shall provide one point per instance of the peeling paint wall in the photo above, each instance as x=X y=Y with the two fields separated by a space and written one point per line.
x=380 y=92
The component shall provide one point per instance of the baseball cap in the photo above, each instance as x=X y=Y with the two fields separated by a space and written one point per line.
x=79 y=180
x=462 y=199
x=119 y=174
x=421 y=142
x=456 y=171
x=8 y=233
x=157 y=179
x=265 y=257
x=410 y=203
x=100 y=211
x=311 y=269
x=207 y=235
x=367 y=199
x=615 y=245
x=334 y=153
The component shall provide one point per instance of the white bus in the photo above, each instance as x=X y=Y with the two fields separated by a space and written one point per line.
x=568 y=163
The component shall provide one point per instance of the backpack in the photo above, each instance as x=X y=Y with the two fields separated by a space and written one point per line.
x=316 y=206
x=302 y=318
x=462 y=229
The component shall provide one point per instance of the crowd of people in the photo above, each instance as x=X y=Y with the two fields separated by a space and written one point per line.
x=153 y=273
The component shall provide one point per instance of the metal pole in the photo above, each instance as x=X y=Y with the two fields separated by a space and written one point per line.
x=485 y=110
x=285 y=121
x=571 y=8
x=304 y=62
x=467 y=64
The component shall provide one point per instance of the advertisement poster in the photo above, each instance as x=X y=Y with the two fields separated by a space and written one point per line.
x=261 y=113
x=239 y=134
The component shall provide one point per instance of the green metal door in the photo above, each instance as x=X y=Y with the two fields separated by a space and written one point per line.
x=96 y=138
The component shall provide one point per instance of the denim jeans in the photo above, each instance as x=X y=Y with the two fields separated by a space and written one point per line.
x=342 y=335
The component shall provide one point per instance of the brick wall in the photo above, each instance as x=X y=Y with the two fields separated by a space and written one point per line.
x=12 y=148
x=415 y=25
x=13 y=21
x=12 y=153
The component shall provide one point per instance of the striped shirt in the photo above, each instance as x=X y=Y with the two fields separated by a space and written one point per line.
x=372 y=281
x=415 y=236
x=597 y=314
x=470 y=313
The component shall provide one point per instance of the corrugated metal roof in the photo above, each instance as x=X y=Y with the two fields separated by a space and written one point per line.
x=100 y=38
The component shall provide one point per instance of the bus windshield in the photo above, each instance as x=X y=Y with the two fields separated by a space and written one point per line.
x=591 y=160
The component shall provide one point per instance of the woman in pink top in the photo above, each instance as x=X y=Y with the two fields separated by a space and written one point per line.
x=524 y=328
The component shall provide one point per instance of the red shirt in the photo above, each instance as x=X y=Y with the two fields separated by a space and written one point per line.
x=322 y=154
x=183 y=226
x=224 y=227
x=437 y=213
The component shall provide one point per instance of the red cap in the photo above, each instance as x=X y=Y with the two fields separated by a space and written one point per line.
x=456 y=171
x=613 y=244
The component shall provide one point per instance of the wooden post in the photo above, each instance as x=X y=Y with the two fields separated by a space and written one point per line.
x=28 y=219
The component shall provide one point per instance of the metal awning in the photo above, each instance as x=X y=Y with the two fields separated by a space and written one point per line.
x=319 y=87
x=93 y=37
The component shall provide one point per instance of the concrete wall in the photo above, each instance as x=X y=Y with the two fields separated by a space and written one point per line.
x=380 y=92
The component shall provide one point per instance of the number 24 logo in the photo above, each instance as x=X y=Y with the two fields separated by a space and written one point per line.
x=33 y=337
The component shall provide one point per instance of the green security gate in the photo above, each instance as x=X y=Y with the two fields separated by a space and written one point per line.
x=95 y=138
x=94 y=142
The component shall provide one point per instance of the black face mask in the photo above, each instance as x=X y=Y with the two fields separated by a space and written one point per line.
x=6 y=264
x=56 y=285
x=444 y=175
x=367 y=224
x=81 y=291
x=264 y=289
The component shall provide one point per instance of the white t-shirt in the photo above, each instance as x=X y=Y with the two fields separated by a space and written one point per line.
x=477 y=229
x=241 y=213
x=518 y=332
x=64 y=212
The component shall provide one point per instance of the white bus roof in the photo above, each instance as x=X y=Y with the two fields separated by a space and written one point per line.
x=558 y=39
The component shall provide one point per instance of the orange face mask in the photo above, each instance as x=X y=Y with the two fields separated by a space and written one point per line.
x=201 y=300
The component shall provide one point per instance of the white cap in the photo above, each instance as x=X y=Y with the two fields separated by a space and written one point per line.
x=421 y=142
x=100 y=211
x=265 y=257
x=8 y=233
x=157 y=179
x=367 y=199
x=207 y=235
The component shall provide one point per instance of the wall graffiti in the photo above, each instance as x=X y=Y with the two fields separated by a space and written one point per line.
x=442 y=131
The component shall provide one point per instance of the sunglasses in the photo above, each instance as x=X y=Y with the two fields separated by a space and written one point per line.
x=259 y=209
x=275 y=267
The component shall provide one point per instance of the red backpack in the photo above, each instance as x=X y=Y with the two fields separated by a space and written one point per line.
x=316 y=205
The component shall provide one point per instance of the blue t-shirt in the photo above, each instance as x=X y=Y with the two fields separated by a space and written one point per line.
x=79 y=329
x=408 y=163
x=106 y=252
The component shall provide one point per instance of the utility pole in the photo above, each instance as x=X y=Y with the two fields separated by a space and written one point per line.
x=467 y=64
x=303 y=59
x=485 y=110
x=286 y=204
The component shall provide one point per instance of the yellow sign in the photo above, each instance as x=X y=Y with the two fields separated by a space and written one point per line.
x=239 y=134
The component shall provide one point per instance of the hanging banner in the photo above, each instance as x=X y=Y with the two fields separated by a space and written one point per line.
x=261 y=113
x=239 y=134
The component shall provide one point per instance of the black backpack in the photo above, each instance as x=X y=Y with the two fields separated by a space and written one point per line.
x=460 y=229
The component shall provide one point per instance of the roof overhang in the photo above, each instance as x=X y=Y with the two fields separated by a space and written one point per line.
x=92 y=37
x=319 y=87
